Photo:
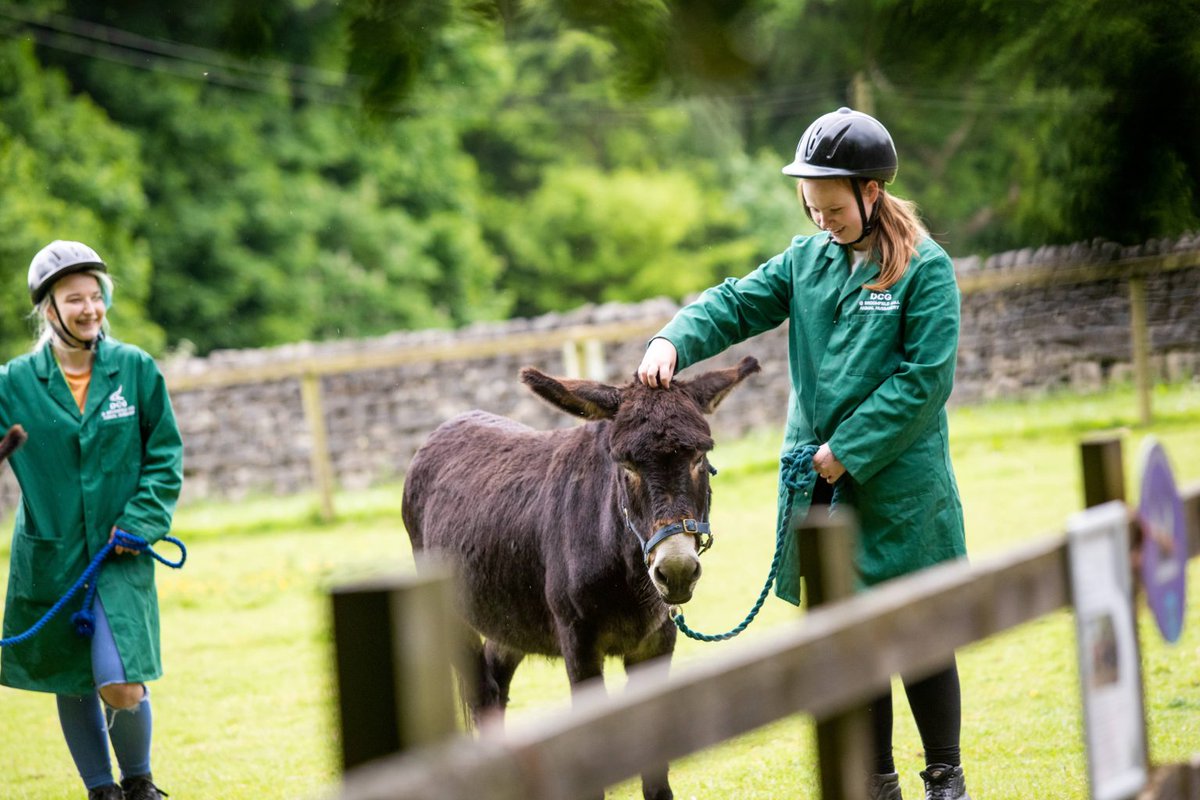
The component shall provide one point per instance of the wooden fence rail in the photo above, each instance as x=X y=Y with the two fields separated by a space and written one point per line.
x=910 y=626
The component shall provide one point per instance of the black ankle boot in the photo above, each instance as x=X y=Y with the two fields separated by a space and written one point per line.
x=141 y=787
x=110 y=792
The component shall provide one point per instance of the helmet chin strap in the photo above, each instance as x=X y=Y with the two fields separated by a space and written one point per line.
x=66 y=337
x=868 y=226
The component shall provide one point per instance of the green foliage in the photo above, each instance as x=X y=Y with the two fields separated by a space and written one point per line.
x=66 y=172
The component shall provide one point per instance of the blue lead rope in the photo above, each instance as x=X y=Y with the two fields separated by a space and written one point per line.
x=797 y=473
x=83 y=619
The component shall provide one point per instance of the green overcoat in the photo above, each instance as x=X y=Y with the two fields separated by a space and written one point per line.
x=871 y=372
x=118 y=463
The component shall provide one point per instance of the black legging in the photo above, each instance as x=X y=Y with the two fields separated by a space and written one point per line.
x=936 y=703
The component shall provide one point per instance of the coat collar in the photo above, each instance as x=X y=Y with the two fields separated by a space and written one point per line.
x=839 y=260
x=45 y=366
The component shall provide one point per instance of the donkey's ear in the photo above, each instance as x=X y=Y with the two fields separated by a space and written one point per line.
x=709 y=389
x=587 y=399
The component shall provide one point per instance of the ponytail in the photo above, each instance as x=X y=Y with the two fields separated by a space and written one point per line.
x=898 y=231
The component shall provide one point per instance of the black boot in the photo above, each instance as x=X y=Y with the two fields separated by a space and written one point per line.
x=944 y=782
x=141 y=787
x=885 y=786
x=110 y=792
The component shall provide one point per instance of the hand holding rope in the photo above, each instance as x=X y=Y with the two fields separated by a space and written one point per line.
x=84 y=620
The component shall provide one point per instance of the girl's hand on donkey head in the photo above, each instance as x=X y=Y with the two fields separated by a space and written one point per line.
x=658 y=363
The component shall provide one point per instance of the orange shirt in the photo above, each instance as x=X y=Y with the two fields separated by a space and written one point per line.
x=78 y=384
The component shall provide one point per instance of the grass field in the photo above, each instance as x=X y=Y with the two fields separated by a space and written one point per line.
x=246 y=707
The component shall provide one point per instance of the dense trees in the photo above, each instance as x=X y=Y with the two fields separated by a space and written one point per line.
x=267 y=172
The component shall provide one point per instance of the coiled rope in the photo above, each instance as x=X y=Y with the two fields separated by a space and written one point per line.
x=798 y=475
x=83 y=619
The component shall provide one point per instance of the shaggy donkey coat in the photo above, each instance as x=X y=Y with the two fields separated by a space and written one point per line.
x=546 y=528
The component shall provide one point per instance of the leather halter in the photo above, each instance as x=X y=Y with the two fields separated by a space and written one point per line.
x=698 y=528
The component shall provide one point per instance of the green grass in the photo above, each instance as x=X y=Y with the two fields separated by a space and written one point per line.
x=246 y=707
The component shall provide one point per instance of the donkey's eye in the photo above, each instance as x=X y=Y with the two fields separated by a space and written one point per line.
x=630 y=468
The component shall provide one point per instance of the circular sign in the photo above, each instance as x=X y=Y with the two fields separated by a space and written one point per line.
x=1164 y=541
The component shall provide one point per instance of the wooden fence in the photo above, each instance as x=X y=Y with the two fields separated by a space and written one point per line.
x=583 y=347
x=399 y=739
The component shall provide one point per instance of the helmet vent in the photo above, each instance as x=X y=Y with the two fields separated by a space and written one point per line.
x=813 y=141
x=836 y=142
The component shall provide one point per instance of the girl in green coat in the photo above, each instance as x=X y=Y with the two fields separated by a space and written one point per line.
x=873 y=310
x=103 y=454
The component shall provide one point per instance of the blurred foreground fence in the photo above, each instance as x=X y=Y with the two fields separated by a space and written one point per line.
x=351 y=413
x=398 y=715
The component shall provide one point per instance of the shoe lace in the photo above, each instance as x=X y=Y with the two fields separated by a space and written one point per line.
x=941 y=783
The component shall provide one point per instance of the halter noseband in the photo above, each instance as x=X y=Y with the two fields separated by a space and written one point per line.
x=701 y=530
x=698 y=528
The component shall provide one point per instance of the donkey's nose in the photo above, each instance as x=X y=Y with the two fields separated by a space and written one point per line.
x=676 y=577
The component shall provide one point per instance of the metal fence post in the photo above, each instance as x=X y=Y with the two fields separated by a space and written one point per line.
x=394 y=640
x=826 y=548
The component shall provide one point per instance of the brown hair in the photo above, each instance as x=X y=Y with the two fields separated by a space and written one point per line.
x=898 y=230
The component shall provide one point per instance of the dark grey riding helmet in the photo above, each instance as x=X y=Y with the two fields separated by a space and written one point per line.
x=57 y=259
x=846 y=144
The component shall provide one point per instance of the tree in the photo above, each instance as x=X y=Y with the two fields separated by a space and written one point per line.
x=66 y=172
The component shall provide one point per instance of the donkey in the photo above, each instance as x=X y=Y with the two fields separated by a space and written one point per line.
x=573 y=542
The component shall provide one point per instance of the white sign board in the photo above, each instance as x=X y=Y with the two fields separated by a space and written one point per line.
x=1109 y=663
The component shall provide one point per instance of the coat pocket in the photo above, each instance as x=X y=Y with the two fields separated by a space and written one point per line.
x=37 y=575
x=874 y=346
x=120 y=446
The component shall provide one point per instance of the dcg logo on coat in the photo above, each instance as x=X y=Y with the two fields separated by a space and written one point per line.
x=118 y=406
x=878 y=302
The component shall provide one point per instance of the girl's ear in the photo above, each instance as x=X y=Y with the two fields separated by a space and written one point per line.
x=871 y=191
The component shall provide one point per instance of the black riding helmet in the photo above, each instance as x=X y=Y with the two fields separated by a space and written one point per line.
x=55 y=260
x=846 y=144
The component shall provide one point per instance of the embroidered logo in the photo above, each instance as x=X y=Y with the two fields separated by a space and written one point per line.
x=881 y=302
x=118 y=406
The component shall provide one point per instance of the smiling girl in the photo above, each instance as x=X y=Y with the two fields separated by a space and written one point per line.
x=104 y=453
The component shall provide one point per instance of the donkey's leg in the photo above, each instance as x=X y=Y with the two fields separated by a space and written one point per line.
x=580 y=652
x=659 y=645
x=582 y=656
x=500 y=662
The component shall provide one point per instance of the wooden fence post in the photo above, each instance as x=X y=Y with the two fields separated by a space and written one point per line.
x=394 y=641
x=827 y=546
x=1139 y=335
x=1103 y=471
x=322 y=467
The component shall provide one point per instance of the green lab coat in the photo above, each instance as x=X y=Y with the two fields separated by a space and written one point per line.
x=870 y=374
x=119 y=463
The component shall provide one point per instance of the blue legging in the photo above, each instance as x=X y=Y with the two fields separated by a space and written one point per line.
x=88 y=732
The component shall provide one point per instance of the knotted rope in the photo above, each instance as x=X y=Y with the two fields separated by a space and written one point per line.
x=83 y=619
x=798 y=475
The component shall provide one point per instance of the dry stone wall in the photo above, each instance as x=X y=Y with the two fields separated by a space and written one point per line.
x=1017 y=339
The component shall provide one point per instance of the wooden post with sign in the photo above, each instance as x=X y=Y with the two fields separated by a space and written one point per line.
x=826 y=548
x=1103 y=481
